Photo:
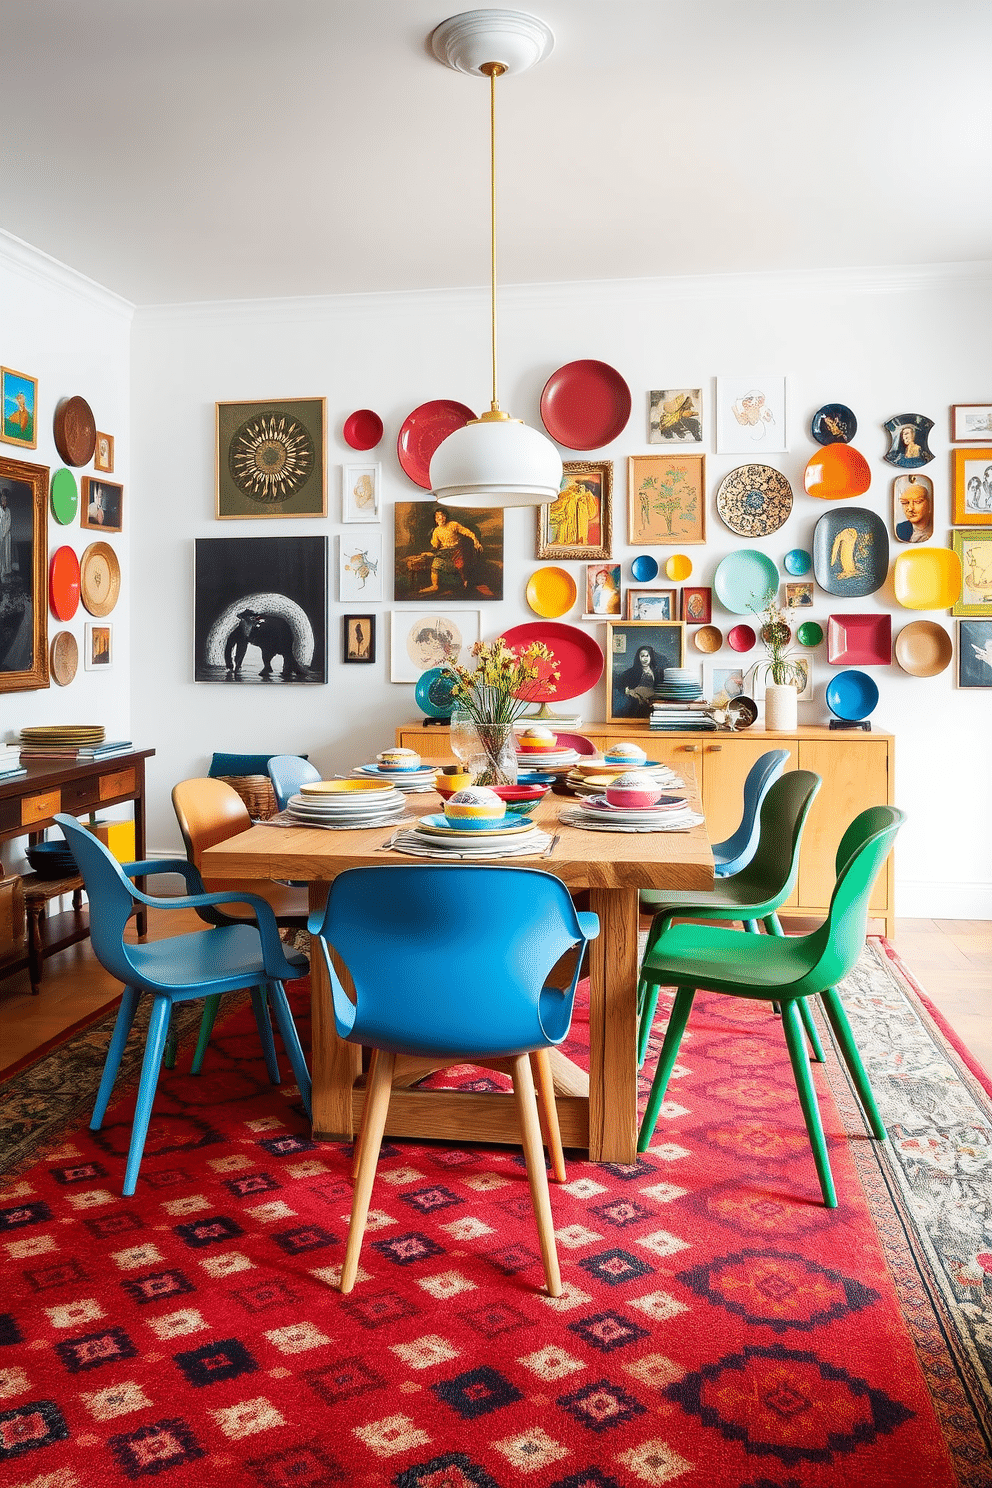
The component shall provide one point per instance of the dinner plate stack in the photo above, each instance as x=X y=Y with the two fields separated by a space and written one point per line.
x=596 y=814
x=546 y=759
x=61 y=738
x=407 y=781
x=320 y=804
x=591 y=777
x=435 y=837
x=679 y=685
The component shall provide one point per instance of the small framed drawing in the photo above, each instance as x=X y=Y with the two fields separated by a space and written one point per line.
x=757 y=678
x=975 y=653
x=102 y=506
x=724 y=682
x=675 y=416
x=652 y=604
x=637 y=653
x=579 y=522
x=19 y=402
x=360 y=493
x=697 y=606
x=972 y=487
x=424 y=638
x=270 y=458
x=103 y=454
x=360 y=567
x=971 y=423
x=799 y=596
x=750 y=416
x=602 y=591
x=974 y=547
x=666 y=500
x=98 y=653
x=358 y=637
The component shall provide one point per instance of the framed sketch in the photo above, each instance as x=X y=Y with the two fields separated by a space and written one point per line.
x=270 y=458
x=579 y=522
x=912 y=508
x=102 y=506
x=98 y=652
x=697 y=605
x=725 y=682
x=637 y=653
x=975 y=653
x=757 y=678
x=751 y=416
x=19 y=405
x=260 y=610
x=973 y=546
x=972 y=487
x=799 y=596
x=359 y=637
x=602 y=591
x=971 y=423
x=360 y=566
x=666 y=500
x=423 y=638
x=360 y=493
x=103 y=454
x=447 y=553
x=675 y=416
x=652 y=604
x=23 y=576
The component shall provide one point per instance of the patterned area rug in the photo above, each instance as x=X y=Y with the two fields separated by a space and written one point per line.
x=719 y=1327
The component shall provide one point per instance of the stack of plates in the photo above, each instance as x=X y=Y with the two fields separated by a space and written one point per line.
x=593 y=776
x=62 y=737
x=679 y=686
x=407 y=781
x=547 y=759
x=346 y=804
x=435 y=837
x=595 y=814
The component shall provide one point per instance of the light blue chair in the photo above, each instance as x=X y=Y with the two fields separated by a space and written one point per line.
x=739 y=848
x=201 y=964
x=287 y=773
x=450 y=964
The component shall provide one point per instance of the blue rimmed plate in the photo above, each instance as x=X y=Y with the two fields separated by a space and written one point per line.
x=644 y=568
x=433 y=692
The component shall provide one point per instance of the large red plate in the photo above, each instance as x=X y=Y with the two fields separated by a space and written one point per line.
x=63 y=583
x=423 y=430
x=576 y=655
x=585 y=405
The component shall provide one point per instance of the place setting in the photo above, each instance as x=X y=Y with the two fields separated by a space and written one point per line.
x=633 y=802
x=402 y=768
x=592 y=776
x=474 y=824
x=343 y=805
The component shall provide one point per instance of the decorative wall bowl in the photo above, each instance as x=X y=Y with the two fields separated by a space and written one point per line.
x=927 y=578
x=678 y=567
x=551 y=592
x=850 y=550
x=851 y=696
x=859 y=640
x=837 y=473
x=809 y=633
x=644 y=568
x=754 y=500
x=708 y=638
x=363 y=429
x=743 y=580
x=797 y=562
x=741 y=638
x=834 y=423
x=923 y=648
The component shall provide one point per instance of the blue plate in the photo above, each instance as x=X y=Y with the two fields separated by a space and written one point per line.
x=850 y=551
x=433 y=693
x=535 y=777
x=507 y=823
x=834 y=423
x=797 y=561
x=743 y=579
x=644 y=568
x=852 y=696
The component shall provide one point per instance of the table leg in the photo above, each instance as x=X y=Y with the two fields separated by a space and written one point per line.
x=613 y=1027
x=335 y=1065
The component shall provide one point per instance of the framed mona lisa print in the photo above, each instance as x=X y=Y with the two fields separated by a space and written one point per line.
x=637 y=653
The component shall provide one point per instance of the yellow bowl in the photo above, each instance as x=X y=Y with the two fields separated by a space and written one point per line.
x=344 y=787
x=927 y=578
x=678 y=567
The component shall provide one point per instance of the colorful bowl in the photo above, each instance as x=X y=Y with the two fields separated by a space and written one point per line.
x=625 y=754
x=644 y=568
x=635 y=790
x=537 y=740
x=396 y=760
x=678 y=567
x=837 y=472
x=474 y=809
x=447 y=785
x=521 y=799
x=741 y=638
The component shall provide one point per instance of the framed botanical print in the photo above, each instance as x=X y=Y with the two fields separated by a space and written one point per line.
x=260 y=610
x=360 y=493
x=270 y=458
x=975 y=653
x=972 y=487
x=359 y=637
x=973 y=546
x=102 y=506
x=652 y=604
x=666 y=500
x=579 y=522
x=19 y=407
x=23 y=574
x=637 y=653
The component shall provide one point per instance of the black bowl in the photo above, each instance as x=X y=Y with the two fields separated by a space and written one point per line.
x=51 y=860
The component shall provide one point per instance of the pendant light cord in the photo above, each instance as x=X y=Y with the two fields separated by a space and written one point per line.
x=493 y=70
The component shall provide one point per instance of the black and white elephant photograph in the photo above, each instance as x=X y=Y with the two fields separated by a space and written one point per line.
x=260 y=610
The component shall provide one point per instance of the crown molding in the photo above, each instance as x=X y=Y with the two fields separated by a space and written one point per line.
x=31 y=263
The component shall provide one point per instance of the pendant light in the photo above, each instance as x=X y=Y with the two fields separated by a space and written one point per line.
x=495 y=460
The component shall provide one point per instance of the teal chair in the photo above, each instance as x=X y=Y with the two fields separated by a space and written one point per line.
x=179 y=969
x=733 y=854
x=785 y=969
x=753 y=894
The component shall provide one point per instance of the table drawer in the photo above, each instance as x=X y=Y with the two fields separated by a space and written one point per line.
x=121 y=783
x=77 y=795
x=41 y=807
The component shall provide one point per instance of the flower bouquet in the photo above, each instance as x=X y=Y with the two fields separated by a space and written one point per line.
x=489 y=698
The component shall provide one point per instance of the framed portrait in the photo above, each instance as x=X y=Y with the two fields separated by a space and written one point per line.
x=666 y=500
x=799 y=596
x=102 y=505
x=422 y=638
x=912 y=508
x=19 y=405
x=447 y=553
x=360 y=493
x=579 y=522
x=751 y=416
x=975 y=653
x=98 y=651
x=972 y=487
x=697 y=605
x=103 y=454
x=260 y=610
x=358 y=635
x=637 y=653
x=652 y=604
x=360 y=566
x=675 y=416
x=725 y=682
x=602 y=591
x=23 y=576
x=971 y=423
x=973 y=546
x=908 y=446
x=270 y=458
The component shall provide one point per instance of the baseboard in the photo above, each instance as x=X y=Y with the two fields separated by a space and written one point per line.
x=916 y=900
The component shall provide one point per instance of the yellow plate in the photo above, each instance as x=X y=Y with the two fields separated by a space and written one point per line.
x=345 y=787
x=551 y=592
x=678 y=567
x=927 y=578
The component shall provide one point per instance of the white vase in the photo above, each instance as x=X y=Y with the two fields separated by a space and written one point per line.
x=781 y=708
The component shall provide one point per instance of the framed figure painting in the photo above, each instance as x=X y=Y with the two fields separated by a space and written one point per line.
x=359 y=637
x=19 y=407
x=23 y=571
x=420 y=639
x=270 y=458
x=260 y=610
x=579 y=522
x=602 y=591
x=675 y=416
x=447 y=553
x=972 y=487
x=99 y=652
x=637 y=653
x=102 y=505
x=652 y=604
x=666 y=500
x=975 y=653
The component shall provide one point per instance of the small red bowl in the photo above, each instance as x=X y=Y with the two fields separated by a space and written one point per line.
x=363 y=429
x=521 y=798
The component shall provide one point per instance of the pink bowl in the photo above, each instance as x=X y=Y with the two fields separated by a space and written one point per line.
x=635 y=791
x=741 y=638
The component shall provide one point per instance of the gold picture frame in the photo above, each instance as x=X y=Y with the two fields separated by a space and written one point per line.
x=23 y=574
x=271 y=459
x=973 y=546
x=629 y=696
x=579 y=522
x=666 y=500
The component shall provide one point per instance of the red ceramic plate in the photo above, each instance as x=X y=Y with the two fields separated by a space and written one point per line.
x=363 y=429
x=63 y=584
x=585 y=405
x=578 y=658
x=741 y=638
x=423 y=430
x=859 y=640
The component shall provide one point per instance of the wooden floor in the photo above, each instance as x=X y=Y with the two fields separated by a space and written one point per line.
x=951 y=959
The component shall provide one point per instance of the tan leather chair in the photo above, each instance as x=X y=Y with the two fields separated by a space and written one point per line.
x=210 y=811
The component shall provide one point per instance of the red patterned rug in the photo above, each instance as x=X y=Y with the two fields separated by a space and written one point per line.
x=719 y=1328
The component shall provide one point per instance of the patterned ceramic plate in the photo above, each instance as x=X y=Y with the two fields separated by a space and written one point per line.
x=754 y=500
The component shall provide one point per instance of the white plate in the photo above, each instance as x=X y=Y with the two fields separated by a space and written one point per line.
x=673 y=824
x=516 y=847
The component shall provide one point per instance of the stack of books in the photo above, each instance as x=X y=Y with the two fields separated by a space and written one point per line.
x=689 y=718
x=10 y=762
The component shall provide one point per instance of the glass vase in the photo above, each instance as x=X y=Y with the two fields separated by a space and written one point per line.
x=488 y=750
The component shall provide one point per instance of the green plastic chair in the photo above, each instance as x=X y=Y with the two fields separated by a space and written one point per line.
x=705 y=958
x=753 y=894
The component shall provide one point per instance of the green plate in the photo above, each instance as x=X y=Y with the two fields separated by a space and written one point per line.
x=64 y=496
x=809 y=633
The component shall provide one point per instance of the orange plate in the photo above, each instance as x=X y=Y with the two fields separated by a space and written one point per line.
x=837 y=472
x=63 y=583
x=551 y=592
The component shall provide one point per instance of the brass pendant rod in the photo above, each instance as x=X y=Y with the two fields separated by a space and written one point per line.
x=493 y=70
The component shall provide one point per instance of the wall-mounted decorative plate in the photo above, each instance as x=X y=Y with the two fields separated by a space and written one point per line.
x=551 y=592
x=834 y=423
x=908 y=446
x=927 y=578
x=797 y=562
x=838 y=472
x=809 y=633
x=741 y=638
x=433 y=692
x=63 y=583
x=100 y=578
x=64 y=657
x=859 y=640
x=74 y=428
x=923 y=648
x=754 y=500
x=64 y=496
x=577 y=657
x=708 y=638
x=851 y=696
x=644 y=568
x=850 y=550
x=363 y=429
x=743 y=580
x=585 y=405
x=678 y=567
x=423 y=430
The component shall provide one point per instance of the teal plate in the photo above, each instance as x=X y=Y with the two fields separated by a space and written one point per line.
x=433 y=692
x=809 y=633
x=797 y=562
x=743 y=579
x=440 y=825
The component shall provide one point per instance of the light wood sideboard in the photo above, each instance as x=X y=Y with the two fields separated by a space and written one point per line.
x=857 y=770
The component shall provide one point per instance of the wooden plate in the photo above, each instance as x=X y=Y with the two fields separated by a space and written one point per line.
x=99 y=578
x=75 y=431
x=64 y=657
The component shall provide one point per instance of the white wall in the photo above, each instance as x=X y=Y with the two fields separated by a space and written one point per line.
x=884 y=342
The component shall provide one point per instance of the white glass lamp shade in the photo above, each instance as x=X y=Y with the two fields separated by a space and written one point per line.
x=502 y=463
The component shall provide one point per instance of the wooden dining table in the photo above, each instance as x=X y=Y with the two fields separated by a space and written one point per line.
x=597 y=1110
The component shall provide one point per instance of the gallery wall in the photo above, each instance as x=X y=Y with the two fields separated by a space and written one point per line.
x=882 y=342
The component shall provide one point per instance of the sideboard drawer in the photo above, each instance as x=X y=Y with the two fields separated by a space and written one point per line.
x=119 y=784
x=78 y=795
x=40 y=808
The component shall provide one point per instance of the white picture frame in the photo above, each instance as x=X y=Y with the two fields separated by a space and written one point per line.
x=757 y=689
x=412 y=649
x=719 y=677
x=360 y=566
x=361 y=493
x=751 y=416
x=98 y=646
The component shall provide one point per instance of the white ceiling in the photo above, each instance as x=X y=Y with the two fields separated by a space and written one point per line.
x=218 y=149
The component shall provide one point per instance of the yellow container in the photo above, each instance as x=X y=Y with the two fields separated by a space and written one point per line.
x=118 y=836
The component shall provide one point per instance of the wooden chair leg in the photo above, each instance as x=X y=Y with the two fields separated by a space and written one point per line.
x=678 y=1018
x=377 y=1105
x=356 y=1155
x=540 y=1065
x=540 y=1195
x=793 y=1029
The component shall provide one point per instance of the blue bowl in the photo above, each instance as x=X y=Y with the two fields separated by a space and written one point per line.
x=481 y=823
x=644 y=568
x=534 y=777
x=52 y=860
x=851 y=696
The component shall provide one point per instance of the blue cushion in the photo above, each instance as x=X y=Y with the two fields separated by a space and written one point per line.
x=241 y=764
